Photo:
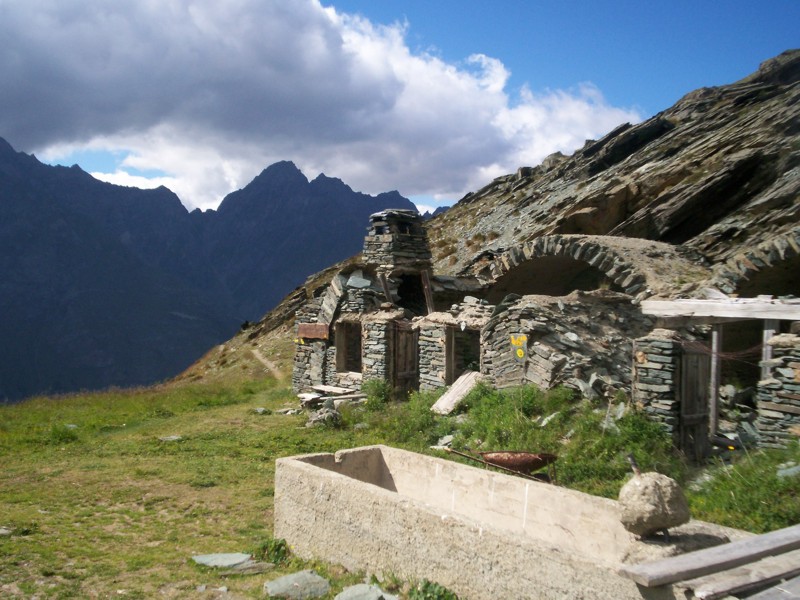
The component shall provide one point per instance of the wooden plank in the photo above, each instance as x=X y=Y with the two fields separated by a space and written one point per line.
x=716 y=367
x=313 y=331
x=386 y=291
x=746 y=577
x=332 y=389
x=343 y=397
x=463 y=385
x=737 y=308
x=426 y=288
x=789 y=590
x=713 y=560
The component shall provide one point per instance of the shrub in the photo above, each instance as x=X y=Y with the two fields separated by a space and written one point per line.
x=427 y=590
x=273 y=550
x=378 y=392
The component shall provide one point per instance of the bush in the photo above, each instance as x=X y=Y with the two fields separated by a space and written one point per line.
x=378 y=392
x=273 y=550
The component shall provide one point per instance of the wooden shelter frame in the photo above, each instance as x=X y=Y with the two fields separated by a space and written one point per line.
x=684 y=312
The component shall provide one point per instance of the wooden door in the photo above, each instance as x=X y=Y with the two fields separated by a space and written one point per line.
x=694 y=392
x=406 y=369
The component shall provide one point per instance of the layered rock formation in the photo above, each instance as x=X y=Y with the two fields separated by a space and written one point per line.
x=718 y=174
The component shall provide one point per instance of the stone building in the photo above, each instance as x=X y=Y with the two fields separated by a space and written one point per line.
x=558 y=310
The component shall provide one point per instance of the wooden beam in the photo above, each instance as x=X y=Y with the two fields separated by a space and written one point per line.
x=457 y=392
x=385 y=285
x=426 y=287
x=736 y=308
x=713 y=560
x=716 y=368
x=746 y=577
x=788 y=590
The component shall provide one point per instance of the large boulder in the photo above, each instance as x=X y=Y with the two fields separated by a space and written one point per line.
x=651 y=502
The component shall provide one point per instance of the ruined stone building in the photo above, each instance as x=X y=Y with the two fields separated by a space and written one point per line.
x=558 y=310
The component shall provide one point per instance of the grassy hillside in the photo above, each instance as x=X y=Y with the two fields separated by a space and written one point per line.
x=97 y=500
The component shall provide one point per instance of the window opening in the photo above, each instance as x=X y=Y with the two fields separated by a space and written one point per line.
x=348 y=347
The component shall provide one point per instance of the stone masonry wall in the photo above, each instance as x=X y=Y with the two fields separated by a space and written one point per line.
x=377 y=342
x=432 y=360
x=655 y=372
x=310 y=364
x=581 y=341
x=778 y=398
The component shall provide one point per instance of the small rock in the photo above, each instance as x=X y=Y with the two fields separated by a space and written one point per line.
x=298 y=586
x=288 y=411
x=650 y=502
x=171 y=438
x=361 y=426
x=4 y=532
x=249 y=567
x=260 y=410
x=324 y=416
x=222 y=559
x=364 y=591
x=788 y=471
x=71 y=426
x=445 y=441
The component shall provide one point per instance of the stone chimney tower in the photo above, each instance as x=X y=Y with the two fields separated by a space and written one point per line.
x=397 y=247
x=396 y=242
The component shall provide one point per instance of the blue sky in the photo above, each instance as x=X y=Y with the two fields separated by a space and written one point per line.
x=433 y=98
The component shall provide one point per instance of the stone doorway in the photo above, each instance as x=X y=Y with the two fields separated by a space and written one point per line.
x=463 y=353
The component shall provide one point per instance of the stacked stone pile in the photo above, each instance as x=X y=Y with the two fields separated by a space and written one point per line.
x=778 y=398
x=582 y=340
x=656 y=359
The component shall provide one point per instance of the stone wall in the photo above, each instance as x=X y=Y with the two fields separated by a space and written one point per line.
x=655 y=370
x=396 y=250
x=432 y=359
x=311 y=364
x=377 y=343
x=778 y=398
x=581 y=340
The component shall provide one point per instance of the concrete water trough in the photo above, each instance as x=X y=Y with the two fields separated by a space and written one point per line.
x=481 y=533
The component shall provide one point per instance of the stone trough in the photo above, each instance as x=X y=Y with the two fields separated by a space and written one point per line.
x=481 y=533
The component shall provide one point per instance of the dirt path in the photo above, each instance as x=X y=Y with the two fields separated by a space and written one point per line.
x=271 y=367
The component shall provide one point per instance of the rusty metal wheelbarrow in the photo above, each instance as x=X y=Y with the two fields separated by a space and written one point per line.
x=518 y=463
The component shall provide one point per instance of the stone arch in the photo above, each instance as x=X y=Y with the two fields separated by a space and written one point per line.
x=640 y=268
x=771 y=267
x=559 y=264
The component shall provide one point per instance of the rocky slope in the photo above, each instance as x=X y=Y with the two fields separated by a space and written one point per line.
x=717 y=173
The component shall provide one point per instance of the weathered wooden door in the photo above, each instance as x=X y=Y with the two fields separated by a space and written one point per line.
x=694 y=391
x=406 y=369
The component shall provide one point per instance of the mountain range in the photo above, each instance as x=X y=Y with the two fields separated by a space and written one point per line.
x=103 y=285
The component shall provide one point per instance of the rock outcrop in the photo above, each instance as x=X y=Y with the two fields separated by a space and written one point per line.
x=717 y=174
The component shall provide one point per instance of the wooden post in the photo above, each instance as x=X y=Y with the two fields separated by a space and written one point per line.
x=386 y=291
x=426 y=287
x=713 y=395
x=770 y=327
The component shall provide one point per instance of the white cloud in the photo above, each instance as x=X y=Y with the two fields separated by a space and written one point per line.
x=210 y=93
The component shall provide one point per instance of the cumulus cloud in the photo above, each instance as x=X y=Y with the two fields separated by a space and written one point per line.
x=210 y=93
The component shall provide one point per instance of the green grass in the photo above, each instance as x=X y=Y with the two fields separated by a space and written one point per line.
x=98 y=505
